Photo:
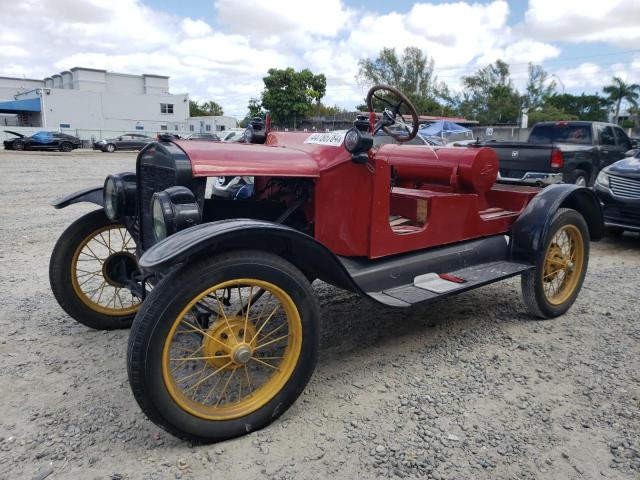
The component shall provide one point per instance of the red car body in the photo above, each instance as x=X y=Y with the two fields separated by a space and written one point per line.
x=449 y=194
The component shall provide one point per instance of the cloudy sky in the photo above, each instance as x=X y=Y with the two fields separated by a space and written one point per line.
x=221 y=49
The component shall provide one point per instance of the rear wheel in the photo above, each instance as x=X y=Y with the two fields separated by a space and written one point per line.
x=550 y=289
x=88 y=265
x=66 y=147
x=579 y=177
x=224 y=346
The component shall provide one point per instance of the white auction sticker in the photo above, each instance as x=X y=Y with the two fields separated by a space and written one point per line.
x=333 y=139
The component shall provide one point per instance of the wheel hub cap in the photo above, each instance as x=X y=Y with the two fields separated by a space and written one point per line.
x=227 y=341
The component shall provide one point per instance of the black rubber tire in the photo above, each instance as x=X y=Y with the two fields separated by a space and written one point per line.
x=18 y=145
x=168 y=298
x=66 y=147
x=531 y=281
x=577 y=175
x=60 y=274
x=109 y=148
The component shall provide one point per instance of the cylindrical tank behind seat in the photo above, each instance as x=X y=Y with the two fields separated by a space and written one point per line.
x=467 y=170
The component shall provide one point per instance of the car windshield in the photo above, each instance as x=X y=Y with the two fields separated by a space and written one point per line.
x=561 y=132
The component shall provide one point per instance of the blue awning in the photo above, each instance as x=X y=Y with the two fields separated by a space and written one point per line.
x=19 y=106
x=442 y=128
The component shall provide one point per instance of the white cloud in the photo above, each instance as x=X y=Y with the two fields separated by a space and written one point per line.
x=226 y=60
x=590 y=77
x=612 y=21
x=195 y=28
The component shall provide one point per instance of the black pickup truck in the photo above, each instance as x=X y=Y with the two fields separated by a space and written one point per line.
x=569 y=152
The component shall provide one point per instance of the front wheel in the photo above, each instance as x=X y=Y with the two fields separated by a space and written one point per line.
x=18 y=145
x=91 y=260
x=550 y=289
x=224 y=345
x=110 y=148
x=66 y=147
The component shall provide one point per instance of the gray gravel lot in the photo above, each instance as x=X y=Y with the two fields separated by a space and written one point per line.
x=465 y=388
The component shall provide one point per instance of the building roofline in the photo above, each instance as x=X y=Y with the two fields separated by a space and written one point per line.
x=153 y=75
x=21 y=78
x=88 y=69
x=56 y=75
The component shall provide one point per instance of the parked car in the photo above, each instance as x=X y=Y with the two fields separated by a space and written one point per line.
x=128 y=141
x=234 y=136
x=207 y=137
x=569 y=152
x=618 y=188
x=227 y=337
x=42 y=141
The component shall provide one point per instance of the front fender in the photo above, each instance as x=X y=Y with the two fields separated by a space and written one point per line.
x=530 y=229
x=91 y=195
x=310 y=256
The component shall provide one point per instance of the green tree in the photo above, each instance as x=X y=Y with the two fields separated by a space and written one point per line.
x=549 y=113
x=412 y=73
x=539 y=88
x=489 y=95
x=583 y=107
x=619 y=91
x=254 y=110
x=289 y=95
x=325 y=110
x=206 y=109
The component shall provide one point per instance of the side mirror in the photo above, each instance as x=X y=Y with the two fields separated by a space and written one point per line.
x=119 y=138
x=633 y=143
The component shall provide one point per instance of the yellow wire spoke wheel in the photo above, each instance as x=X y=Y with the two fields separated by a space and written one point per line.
x=238 y=361
x=549 y=289
x=563 y=264
x=93 y=267
x=223 y=345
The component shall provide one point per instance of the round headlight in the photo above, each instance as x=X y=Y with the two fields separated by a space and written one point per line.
x=352 y=139
x=172 y=210
x=157 y=214
x=119 y=195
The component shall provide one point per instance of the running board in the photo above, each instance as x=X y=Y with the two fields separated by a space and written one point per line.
x=407 y=279
x=431 y=286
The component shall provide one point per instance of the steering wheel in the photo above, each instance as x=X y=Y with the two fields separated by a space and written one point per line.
x=391 y=115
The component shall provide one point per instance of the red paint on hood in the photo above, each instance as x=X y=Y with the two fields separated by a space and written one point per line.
x=212 y=159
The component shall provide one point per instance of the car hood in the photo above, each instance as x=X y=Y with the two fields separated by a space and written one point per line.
x=211 y=159
x=14 y=133
x=627 y=167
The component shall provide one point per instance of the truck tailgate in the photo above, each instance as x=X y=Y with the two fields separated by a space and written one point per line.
x=518 y=158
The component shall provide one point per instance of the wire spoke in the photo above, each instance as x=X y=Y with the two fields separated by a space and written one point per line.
x=208 y=376
x=270 y=342
x=265 y=363
x=223 y=394
x=199 y=330
x=265 y=322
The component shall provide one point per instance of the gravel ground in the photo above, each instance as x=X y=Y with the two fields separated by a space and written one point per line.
x=465 y=388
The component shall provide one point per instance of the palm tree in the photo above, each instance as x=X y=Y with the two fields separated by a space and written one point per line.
x=619 y=91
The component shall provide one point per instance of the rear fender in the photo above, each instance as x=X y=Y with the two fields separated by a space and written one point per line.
x=90 y=195
x=310 y=256
x=530 y=229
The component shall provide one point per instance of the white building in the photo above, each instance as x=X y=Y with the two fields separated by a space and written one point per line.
x=210 y=124
x=97 y=100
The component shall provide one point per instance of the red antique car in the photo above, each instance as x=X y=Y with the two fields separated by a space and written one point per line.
x=218 y=286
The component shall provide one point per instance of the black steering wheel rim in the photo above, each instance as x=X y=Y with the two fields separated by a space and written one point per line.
x=395 y=109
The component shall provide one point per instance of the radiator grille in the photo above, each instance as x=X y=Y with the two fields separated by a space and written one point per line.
x=152 y=179
x=624 y=187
